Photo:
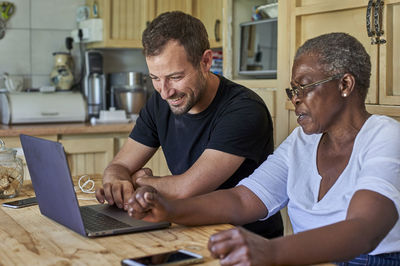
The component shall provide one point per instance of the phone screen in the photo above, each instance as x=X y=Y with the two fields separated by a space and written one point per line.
x=21 y=203
x=177 y=257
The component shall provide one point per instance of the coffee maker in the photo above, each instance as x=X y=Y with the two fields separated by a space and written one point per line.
x=94 y=83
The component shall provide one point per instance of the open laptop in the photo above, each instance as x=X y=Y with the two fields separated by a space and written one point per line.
x=55 y=193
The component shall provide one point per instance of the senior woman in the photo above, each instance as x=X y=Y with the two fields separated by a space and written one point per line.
x=338 y=174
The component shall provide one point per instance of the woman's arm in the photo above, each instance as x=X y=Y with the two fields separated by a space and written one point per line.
x=237 y=206
x=369 y=219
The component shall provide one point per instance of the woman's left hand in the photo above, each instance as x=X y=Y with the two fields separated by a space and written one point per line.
x=238 y=246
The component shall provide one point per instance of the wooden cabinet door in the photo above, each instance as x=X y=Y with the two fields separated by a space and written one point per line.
x=389 y=55
x=162 y=6
x=158 y=164
x=210 y=13
x=123 y=22
x=88 y=155
x=315 y=17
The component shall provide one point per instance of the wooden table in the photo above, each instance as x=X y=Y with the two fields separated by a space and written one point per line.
x=29 y=238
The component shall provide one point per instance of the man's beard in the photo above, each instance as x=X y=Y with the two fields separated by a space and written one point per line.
x=191 y=98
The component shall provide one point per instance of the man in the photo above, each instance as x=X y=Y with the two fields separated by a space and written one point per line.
x=213 y=132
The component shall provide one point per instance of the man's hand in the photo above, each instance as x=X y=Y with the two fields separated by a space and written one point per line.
x=118 y=192
x=147 y=204
x=142 y=173
x=240 y=247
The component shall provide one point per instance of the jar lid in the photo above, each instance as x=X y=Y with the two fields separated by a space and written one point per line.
x=6 y=153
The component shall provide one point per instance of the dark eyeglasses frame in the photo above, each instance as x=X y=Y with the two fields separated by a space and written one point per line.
x=295 y=90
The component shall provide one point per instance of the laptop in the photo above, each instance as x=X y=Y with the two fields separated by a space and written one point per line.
x=55 y=194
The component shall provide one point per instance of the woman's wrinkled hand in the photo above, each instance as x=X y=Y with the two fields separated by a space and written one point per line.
x=238 y=246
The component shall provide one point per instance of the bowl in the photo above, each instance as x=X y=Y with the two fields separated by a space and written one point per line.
x=269 y=10
x=130 y=100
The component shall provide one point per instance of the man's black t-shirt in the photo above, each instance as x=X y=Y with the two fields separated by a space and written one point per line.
x=236 y=122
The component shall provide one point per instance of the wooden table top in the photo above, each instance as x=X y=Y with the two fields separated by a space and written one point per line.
x=27 y=237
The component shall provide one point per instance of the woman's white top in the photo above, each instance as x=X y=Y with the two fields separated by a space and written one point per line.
x=290 y=177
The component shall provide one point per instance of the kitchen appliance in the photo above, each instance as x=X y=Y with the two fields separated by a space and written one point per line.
x=38 y=107
x=258 y=48
x=128 y=92
x=94 y=83
x=62 y=76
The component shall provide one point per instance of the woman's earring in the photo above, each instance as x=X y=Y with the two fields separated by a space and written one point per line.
x=344 y=94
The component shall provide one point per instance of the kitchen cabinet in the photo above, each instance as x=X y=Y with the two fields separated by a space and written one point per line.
x=310 y=18
x=162 y=6
x=88 y=154
x=157 y=163
x=210 y=13
x=89 y=149
x=123 y=22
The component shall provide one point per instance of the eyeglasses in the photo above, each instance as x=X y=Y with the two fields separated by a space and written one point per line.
x=301 y=91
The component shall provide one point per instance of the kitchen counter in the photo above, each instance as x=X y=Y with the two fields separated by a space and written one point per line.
x=63 y=128
x=89 y=148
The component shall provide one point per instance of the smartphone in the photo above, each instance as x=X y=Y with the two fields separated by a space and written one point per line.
x=176 y=257
x=21 y=203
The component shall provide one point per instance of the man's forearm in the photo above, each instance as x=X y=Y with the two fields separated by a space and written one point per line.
x=116 y=171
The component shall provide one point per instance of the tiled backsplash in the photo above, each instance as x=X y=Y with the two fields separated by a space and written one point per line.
x=37 y=29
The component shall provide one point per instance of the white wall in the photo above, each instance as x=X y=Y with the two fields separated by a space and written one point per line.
x=37 y=29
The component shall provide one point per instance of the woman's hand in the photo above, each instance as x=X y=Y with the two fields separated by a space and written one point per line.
x=148 y=205
x=240 y=247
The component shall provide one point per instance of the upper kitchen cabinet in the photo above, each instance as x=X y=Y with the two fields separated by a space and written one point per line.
x=162 y=6
x=123 y=22
x=373 y=24
x=210 y=13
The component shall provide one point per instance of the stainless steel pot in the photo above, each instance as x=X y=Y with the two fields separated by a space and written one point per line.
x=130 y=99
x=127 y=79
x=127 y=91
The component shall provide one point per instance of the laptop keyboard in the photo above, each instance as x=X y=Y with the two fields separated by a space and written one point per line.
x=96 y=221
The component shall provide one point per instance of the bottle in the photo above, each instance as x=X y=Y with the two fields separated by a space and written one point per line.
x=11 y=172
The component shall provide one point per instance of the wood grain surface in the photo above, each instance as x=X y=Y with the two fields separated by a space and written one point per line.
x=62 y=128
x=29 y=238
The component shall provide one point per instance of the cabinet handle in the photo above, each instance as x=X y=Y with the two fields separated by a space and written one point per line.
x=50 y=113
x=378 y=14
x=368 y=19
x=216 y=30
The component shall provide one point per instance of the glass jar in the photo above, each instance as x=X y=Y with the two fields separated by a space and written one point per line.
x=11 y=172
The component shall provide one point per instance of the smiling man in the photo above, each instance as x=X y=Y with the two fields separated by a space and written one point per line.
x=213 y=132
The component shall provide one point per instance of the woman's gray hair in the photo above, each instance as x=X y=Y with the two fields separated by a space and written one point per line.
x=340 y=53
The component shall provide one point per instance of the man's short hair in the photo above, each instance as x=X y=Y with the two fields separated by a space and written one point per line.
x=339 y=53
x=189 y=31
